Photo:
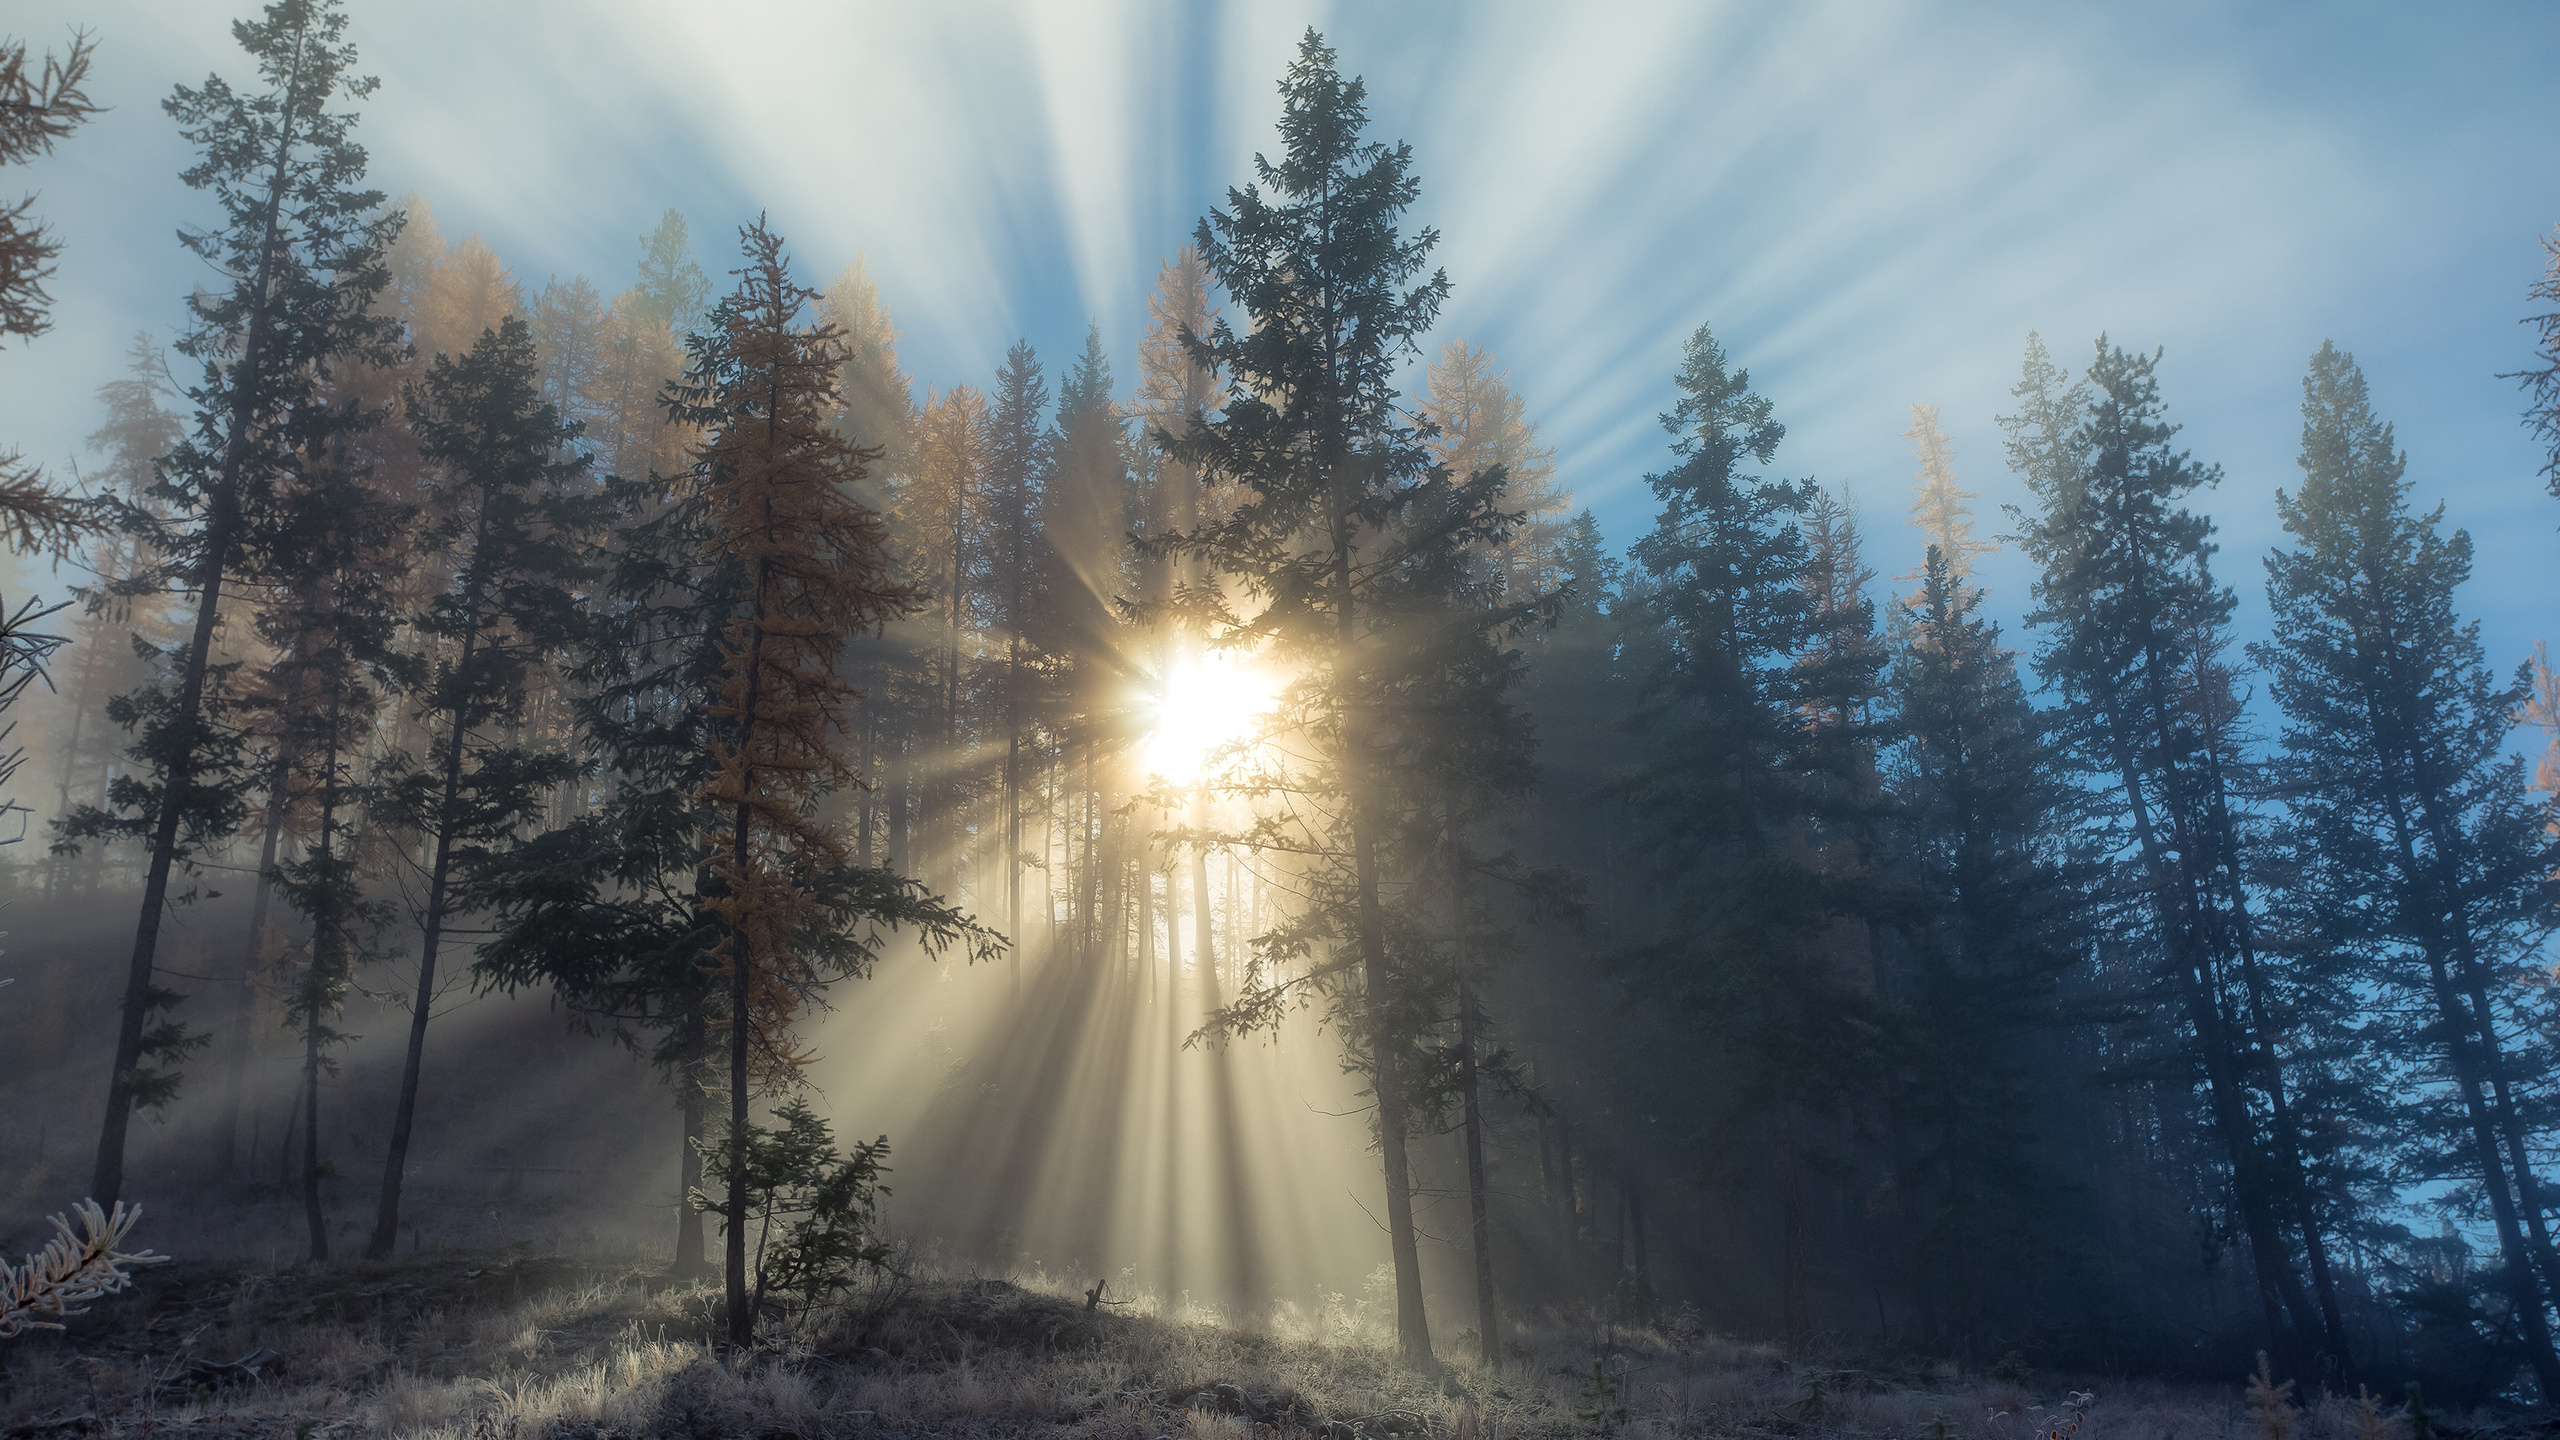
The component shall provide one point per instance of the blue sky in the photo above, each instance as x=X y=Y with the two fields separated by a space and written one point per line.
x=1873 y=203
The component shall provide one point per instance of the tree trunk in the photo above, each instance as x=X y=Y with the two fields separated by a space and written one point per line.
x=2333 y=1328
x=311 y=1213
x=106 y=1183
x=386 y=1220
x=1386 y=1083
x=326 y=943
x=1488 y=1325
x=2182 y=930
x=695 y=1049
x=742 y=1319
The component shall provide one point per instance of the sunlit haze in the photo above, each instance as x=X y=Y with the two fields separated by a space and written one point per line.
x=1856 y=687
x=1201 y=707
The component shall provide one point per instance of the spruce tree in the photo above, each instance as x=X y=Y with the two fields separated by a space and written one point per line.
x=40 y=104
x=1331 y=473
x=672 y=290
x=1729 y=788
x=629 y=914
x=1017 y=476
x=513 y=519
x=1085 y=525
x=2134 y=628
x=2417 y=849
x=1979 y=809
x=338 y=553
x=302 y=247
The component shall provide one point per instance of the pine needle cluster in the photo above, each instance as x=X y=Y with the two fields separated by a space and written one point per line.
x=77 y=1267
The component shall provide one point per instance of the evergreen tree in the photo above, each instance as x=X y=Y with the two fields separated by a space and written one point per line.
x=877 y=412
x=1729 y=787
x=2416 y=848
x=2134 y=624
x=942 y=510
x=2542 y=378
x=1085 y=526
x=337 y=554
x=672 y=290
x=39 y=105
x=1017 y=477
x=139 y=429
x=303 y=250
x=572 y=333
x=1324 y=537
x=513 y=519
x=1979 y=809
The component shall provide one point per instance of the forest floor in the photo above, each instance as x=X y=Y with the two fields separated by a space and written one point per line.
x=514 y=1347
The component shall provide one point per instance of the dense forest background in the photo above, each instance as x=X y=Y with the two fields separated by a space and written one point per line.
x=1231 y=820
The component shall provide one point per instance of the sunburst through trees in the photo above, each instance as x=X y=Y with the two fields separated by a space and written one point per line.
x=1230 y=817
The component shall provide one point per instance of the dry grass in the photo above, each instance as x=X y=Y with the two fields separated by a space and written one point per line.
x=485 y=1348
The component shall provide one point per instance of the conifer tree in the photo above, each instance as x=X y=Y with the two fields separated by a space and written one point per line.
x=572 y=334
x=302 y=248
x=878 y=398
x=337 y=555
x=1979 y=809
x=816 y=572
x=1938 y=506
x=40 y=104
x=513 y=518
x=1726 y=794
x=942 y=509
x=1017 y=477
x=877 y=412
x=469 y=291
x=2416 y=846
x=2134 y=626
x=630 y=432
x=1085 y=524
x=1483 y=424
x=1341 y=529
x=2542 y=378
x=139 y=429
x=672 y=290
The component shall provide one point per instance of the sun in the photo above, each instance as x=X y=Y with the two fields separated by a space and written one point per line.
x=1206 y=702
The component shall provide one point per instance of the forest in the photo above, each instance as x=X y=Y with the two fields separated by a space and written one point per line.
x=553 y=770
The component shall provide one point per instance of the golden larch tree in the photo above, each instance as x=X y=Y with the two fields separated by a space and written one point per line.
x=813 y=567
x=1939 y=509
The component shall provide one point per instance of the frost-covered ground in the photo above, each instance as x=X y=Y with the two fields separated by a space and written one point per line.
x=509 y=1344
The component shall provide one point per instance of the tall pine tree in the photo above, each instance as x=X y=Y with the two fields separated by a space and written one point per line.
x=513 y=518
x=2417 y=846
x=302 y=249
x=1322 y=541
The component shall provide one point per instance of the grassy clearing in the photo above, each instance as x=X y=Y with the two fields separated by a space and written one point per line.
x=478 y=1348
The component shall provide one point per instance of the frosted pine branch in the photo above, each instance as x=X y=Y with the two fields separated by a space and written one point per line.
x=79 y=1266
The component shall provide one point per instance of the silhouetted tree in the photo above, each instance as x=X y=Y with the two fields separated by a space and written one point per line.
x=302 y=248
x=512 y=516
x=2417 y=848
x=1327 y=529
